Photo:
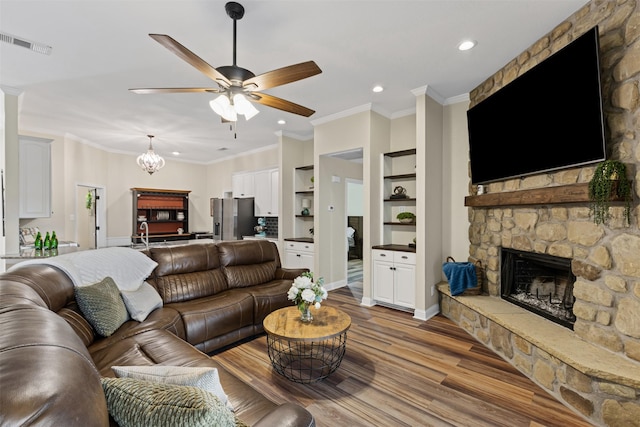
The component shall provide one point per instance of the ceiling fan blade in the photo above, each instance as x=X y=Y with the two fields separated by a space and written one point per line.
x=283 y=75
x=280 y=104
x=146 y=91
x=191 y=58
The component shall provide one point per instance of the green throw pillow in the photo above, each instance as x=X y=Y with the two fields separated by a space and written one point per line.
x=102 y=306
x=132 y=402
x=203 y=377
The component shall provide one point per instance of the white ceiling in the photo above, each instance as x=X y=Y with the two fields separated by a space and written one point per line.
x=101 y=48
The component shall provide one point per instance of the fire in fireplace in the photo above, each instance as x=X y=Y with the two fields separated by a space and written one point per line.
x=540 y=283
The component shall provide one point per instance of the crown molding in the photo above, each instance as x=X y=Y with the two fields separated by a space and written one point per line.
x=10 y=90
x=456 y=99
x=342 y=114
x=298 y=136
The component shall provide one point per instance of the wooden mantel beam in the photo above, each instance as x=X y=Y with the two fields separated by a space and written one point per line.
x=573 y=193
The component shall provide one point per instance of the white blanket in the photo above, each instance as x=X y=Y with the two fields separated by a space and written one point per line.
x=127 y=267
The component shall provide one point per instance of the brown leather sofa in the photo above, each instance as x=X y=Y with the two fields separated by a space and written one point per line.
x=51 y=359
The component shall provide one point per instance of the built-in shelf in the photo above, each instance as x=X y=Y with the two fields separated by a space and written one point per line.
x=303 y=200
x=401 y=153
x=406 y=224
x=401 y=176
x=406 y=199
x=573 y=193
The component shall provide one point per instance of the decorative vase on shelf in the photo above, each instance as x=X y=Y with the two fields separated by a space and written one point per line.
x=305 y=313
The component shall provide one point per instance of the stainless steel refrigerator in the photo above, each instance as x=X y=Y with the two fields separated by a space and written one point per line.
x=233 y=218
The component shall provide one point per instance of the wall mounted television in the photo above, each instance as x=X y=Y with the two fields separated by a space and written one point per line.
x=548 y=118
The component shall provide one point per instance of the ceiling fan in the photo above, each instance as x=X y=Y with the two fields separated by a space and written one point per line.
x=236 y=84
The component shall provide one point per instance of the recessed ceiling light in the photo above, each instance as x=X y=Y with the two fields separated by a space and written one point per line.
x=467 y=44
x=377 y=88
x=281 y=122
x=176 y=153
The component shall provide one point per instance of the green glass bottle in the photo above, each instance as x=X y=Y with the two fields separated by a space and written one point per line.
x=47 y=242
x=54 y=240
x=37 y=243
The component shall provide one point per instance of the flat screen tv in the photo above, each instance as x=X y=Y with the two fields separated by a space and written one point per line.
x=548 y=118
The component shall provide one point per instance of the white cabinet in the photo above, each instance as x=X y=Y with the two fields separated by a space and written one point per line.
x=34 y=177
x=267 y=192
x=243 y=184
x=394 y=277
x=298 y=255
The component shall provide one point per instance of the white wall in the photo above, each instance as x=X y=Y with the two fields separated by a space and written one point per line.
x=355 y=198
x=455 y=220
x=298 y=154
x=76 y=162
x=342 y=134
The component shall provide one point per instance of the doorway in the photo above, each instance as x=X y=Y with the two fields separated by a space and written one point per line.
x=355 y=232
x=90 y=215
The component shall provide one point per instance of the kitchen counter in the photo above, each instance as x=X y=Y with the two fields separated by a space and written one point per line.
x=29 y=252
x=255 y=236
x=299 y=239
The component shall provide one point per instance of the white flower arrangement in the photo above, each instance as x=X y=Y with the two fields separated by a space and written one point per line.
x=304 y=291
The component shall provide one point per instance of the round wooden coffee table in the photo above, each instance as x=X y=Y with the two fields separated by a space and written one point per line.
x=306 y=352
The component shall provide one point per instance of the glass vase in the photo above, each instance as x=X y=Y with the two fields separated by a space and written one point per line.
x=305 y=314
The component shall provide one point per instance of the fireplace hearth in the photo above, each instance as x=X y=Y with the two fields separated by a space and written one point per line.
x=540 y=283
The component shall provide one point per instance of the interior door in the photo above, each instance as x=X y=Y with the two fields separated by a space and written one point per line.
x=87 y=227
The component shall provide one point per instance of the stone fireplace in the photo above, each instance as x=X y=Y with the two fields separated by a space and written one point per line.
x=593 y=368
x=540 y=283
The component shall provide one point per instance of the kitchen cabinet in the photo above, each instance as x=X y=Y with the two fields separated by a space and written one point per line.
x=298 y=255
x=165 y=212
x=243 y=184
x=34 y=179
x=267 y=185
x=394 y=277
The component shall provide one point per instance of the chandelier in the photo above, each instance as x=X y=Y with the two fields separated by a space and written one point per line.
x=228 y=106
x=150 y=161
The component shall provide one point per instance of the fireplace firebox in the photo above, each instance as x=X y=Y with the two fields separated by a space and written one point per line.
x=540 y=283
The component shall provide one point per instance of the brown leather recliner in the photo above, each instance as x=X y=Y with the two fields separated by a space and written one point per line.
x=222 y=291
x=51 y=359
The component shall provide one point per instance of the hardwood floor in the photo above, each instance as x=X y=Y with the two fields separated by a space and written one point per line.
x=399 y=371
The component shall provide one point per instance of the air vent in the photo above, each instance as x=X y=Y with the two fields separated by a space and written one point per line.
x=31 y=45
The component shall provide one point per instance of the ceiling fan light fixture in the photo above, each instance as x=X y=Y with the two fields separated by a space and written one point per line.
x=150 y=161
x=244 y=107
x=222 y=107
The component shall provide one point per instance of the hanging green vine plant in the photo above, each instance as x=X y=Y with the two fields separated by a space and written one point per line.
x=609 y=181
x=89 y=204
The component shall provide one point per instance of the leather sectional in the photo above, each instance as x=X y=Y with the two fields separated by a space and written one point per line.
x=213 y=295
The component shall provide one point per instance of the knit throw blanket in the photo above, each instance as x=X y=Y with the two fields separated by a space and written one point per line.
x=461 y=276
x=127 y=267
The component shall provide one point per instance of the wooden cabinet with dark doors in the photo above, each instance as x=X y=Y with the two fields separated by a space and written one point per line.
x=165 y=213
